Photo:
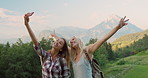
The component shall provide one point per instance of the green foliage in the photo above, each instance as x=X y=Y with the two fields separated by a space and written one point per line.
x=138 y=46
x=91 y=41
x=46 y=44
x=127 y=67
x=104 y=53
x=110 y=53
x=137 y=72
x=121 y=62
x=128 y=39
x=138 y=59
x=116 y=71
x=19 y=60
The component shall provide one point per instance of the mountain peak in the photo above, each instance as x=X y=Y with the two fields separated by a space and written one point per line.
x=112 y=17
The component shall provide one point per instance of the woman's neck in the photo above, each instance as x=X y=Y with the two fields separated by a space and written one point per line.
x=78 y=51
x=54 y=52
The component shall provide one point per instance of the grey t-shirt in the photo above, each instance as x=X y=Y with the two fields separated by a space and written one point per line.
x=82 y=69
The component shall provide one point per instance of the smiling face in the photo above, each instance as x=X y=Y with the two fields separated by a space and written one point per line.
x=74 y=42
x=58 y=44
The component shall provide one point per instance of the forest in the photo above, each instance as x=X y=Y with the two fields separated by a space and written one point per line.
x=19 y=60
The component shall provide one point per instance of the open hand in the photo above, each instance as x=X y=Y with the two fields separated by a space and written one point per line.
x=122 y=22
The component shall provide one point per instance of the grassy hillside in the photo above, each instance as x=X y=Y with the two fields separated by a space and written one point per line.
x=128 y=39
x=137 y=72
x=135 y=66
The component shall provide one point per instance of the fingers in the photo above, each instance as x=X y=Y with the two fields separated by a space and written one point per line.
x=124 y=17
x=126 y=23
x=26 y=16
x=29 y=14
x=121 y=19
x=32 y=13
x=126 y=20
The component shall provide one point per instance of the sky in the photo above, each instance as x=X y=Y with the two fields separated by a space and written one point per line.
x=50 y=14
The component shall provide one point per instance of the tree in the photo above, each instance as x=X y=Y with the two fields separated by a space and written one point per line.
x=110 y=53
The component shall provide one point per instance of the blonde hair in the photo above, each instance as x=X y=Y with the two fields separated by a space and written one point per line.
x=73 y=51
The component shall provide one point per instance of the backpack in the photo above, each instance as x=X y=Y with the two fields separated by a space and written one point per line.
x=96 y=70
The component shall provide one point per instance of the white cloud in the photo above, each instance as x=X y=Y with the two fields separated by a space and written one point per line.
x=12 y=24
x=17 y=20
x=9 y=18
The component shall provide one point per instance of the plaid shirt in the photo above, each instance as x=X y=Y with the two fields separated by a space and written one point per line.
x=52 y=69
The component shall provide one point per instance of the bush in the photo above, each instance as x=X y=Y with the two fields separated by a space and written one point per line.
x=121 y=62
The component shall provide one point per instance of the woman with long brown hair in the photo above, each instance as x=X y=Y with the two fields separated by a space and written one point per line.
x=55 y=61
x=80 y=62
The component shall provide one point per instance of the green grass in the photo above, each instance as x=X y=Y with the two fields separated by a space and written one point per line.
x=116 y=71
x=135 y=66
x=138 y=59
x=137 y=72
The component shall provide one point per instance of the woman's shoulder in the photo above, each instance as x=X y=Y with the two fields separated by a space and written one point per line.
x=48 y=52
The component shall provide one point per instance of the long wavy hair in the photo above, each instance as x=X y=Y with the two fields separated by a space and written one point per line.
x=65 y=53
x=73 y=53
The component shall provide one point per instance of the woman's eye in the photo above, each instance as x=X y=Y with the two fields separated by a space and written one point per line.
x=60 y=42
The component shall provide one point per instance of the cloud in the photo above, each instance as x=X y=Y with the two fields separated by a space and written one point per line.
x=12 y=23
x=12 y=18
x=9 y=18
x=4 y=11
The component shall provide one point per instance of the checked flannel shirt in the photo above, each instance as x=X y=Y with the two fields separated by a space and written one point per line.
x=52 y=69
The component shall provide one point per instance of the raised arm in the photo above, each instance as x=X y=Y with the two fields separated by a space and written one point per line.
x=92 y=48
x=26 y=21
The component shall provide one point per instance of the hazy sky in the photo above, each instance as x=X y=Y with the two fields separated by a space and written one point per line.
x=50 y=14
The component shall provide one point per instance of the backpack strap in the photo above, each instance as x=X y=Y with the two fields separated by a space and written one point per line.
x=87 y=56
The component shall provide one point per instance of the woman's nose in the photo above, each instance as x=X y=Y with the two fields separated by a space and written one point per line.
x=70 y=41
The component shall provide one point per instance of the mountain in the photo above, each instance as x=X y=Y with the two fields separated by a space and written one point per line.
x=128 y=39
x=68 y=32
x=107 y=25
x=97 y=31
x=46 y=34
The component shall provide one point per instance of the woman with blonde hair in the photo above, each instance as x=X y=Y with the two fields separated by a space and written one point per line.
x=80 y=62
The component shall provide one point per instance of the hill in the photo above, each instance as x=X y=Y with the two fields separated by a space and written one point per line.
x=128 y=39
x=135 y=66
